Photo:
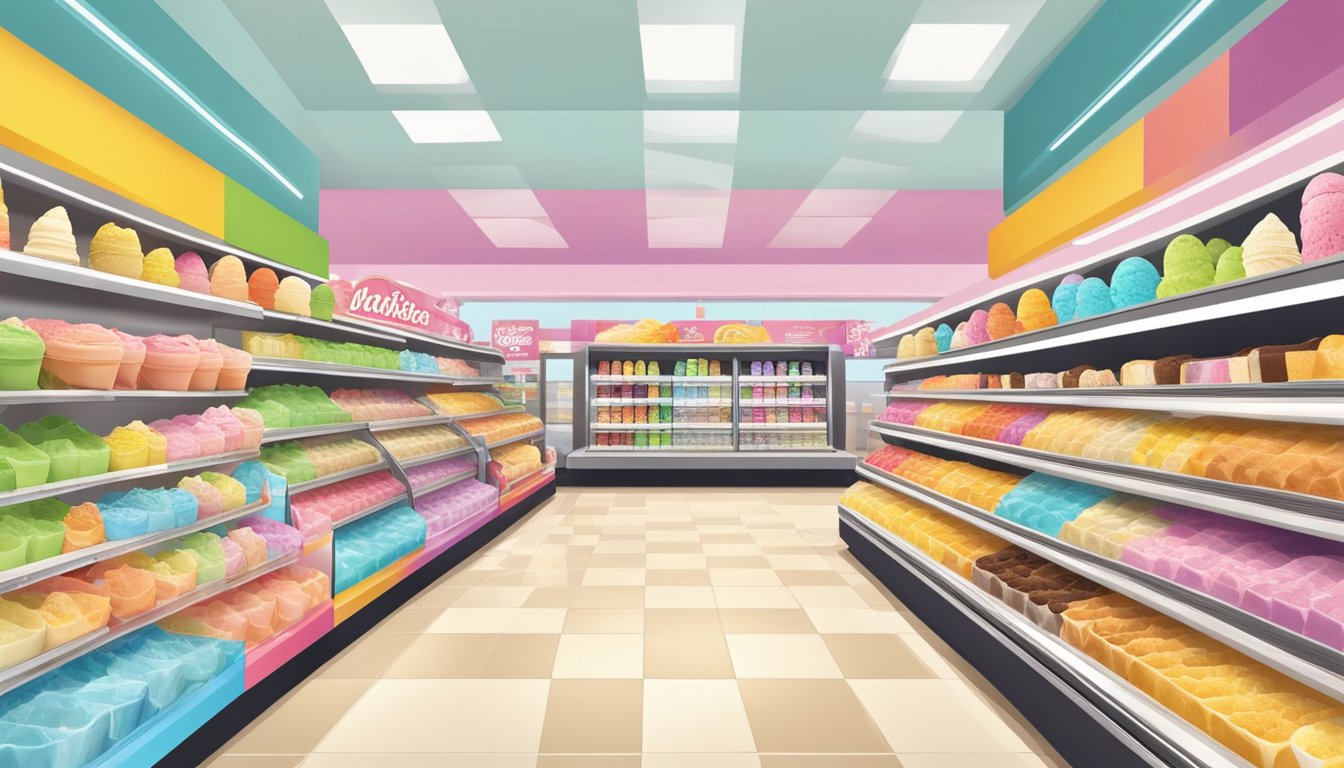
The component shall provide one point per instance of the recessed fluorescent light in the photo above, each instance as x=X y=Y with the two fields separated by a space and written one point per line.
x=522 y=233
x=406 y=54
x=430 y=126
x=689 y=52
x=952 y=53
x=924 y=127
x=111 y=35
x=818 y=231
x=690 y=126
x=844 y=202
x=687 y=232
x=499 y=203
x=1171 y=34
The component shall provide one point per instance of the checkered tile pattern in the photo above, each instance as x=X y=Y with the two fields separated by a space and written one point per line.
x=705 y=627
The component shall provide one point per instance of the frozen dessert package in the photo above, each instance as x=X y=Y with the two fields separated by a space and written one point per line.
x=1284 y=362
x=1186 y=266
x=1330 y=358
x=905 y=347
x=942 y=337
x=1229 y=266
x=1034 y=311
x=925 y=344
x=1000 y=324
x=294 y=296
x=1269 y=247
x=117 y=250
x=741 y=334
x=1323 y=217
x=646 y=331
x=323 y=302
x=228 y=278
x=53 y=238
x=1102 y=378
x=191 y=273
x=1066 y=293
x=261 y=287
x=160 y=268
x=1217 y=370
x=1094 y=298
x=1134 y=281
x=959 y=336
x=1137 y=373
x=977 y=328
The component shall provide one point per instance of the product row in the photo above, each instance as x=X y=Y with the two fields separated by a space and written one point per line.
x=663 y=414
x=1188 y=265
x=293 y=347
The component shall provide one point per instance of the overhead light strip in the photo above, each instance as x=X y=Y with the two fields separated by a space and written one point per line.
x=1152 y=53
x=130 y=50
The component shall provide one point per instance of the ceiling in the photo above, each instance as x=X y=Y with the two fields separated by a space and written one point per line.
x=807 y=104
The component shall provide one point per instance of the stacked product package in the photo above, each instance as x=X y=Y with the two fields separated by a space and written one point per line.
x=776 y=401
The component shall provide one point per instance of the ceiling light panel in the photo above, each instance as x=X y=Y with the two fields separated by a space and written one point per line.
x=687 y=232
x=447 y=126
x=945 y=53
x=687 y=203
x=522 y=233
x=499 y=203
x=818 y=231
x=844 y=202
x=406 y=54
x=690 y=126
x=698 y=53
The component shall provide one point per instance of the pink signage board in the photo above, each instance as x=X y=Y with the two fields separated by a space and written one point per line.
x=384 y=300
x=587 y=330
x=700 y=331
x=851 y=336
x=517 y=339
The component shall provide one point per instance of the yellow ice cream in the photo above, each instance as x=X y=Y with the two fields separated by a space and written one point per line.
x=160 y=268
x=53 y=238
x=117 y=250
x=294 y=296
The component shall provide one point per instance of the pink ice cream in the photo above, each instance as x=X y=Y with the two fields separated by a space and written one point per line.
x=1323 y=217
x=192 y=274
x=977 y=328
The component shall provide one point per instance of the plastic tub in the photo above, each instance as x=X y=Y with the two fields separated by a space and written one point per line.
x=21 y=353
x=127 y=449
x=253 y=477
x=237 y=364
x=22 y=633
x=83 y=356
x=79 y=728
x=235 y=495
x=209 y=556
x=175 y=574
x=123 y=702
x=73 y=450
x=13 y=550
x=165 y=678
x=260 y=612
x=170 y=363
x=31 y=466
x=69 y=615
x=234 y=559
x=210 y=502
x=252 y=544
x=254 y=428
x=221 y=418
x=132 y=358
x=23 y=746
x=133 y=591
x=83 y=527
x=206 y=376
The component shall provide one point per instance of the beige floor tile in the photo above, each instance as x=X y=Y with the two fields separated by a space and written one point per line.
x=297 y=723
x=588 y=761
x=439 y=655
x=849 y=621
x=808 y=716
x=420 y=761
x=520 y=656
x=254 y=761
x=487 y=716
x=440 y=596
x=798 y=562
x=692 y=657
x=755 y=597
x=599 y=656
x=743 y=577
x=682 y=562
x=934 y=716
x=368 y=658
x=535 y=621
x=781 y=656
x=847 y=761
x=682 y=621
x=608 y=597
x=604 y=621
x=736 y=561
x=875 y=656
x=594 y=716
x=616 y=561
x=828 y=597
x=693 y=760
x=620 y=548
x=811 y=579
x=930 y=656
x=673 y=577
x=550 y=597
x=472 y=621
x=754 y=621
x=997 y=759
x=675 y=548
x=614 y=577
x=695 y=716
x=679 y=597
x=734 y=549
x=410 y=619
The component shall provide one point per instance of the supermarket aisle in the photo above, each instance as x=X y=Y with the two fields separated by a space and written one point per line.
x=648 y=627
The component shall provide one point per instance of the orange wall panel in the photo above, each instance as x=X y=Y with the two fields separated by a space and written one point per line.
x=1189 y=123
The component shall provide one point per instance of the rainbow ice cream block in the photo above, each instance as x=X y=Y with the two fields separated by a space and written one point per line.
x=1323 y=217
x=1288 y=362
x=1001 y=323
x=1071 y=378
x=117 y=250
x=191 y=273
x=1102 y=378
x=1217 y=370
x=53 y=238
x=160 y=268
x=925 y=343
x=1167 y=370
x=1094 y=298
x=1034 y=311
x=977 y=328
x=1134 y=281
x=1329 y=358
x=1186 y=266
x=1138 y=373
x=1269 y=247
x=942 y=336
x=261 y=287
x=228 y=278
x=1230 y=267
x=1065 y=297
x=1041 y=381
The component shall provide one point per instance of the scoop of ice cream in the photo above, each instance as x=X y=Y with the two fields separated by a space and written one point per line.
x=977 y=328
x=959 y=336
x=294 y=296
x=1134 y=281
x=228 y=278
x=1034 y=311
x=925 y=344
x=1186 y=266
x=906 y=346
x=943 y=337
x=1065 y=296
x=160 y=268
x=1094 y=298
x=191 y=273
x=1269 y=247
x=1229 y=266
x=1001 y=323
x=52 y=237
x=1323 y=217
x=261 y=287
x=1330 y=358
x=323 y=302
x=117 y=250
x=1216 y=246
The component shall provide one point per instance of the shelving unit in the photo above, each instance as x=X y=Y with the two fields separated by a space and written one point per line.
x=369 y=510
x=108 y=479
x=298 y=433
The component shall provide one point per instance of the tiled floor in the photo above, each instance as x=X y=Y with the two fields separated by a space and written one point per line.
x=704 y=628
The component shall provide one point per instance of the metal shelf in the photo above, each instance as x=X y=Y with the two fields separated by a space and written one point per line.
x=369 y=510
x=45 y=662
x=1313 y=515
x=441 y=345
x=1115 y=704
x=49 y=490
x=482 y=415
x=620 y=427
x=801 y=426
x=516 y=439
x=612 y=378
x=792 y=402
x=602 y=402
x=818 y=378
x=64 y=396
x=338 y=477
x=284 y=322
x=311 y=368
x=707 y=380
x=443 y=483
x=1312 y=402
x=430 y=458
x=22 y=576
x=408 y=422
x=1297 y=656
x=298 y=433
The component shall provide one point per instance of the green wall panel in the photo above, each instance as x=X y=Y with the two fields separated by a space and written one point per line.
x=255 y=225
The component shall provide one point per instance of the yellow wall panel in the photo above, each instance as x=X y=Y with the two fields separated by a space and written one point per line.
x=1100 y=188
x=52 y=116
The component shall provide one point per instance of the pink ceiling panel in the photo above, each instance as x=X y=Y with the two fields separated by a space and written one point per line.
x=844 y=202
x=521 y=233
x=818 y=231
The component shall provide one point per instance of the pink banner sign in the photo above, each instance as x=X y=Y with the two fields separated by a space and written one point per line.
x=700 y=331
x=384 y=300
x=517 y=339
x=851 y=336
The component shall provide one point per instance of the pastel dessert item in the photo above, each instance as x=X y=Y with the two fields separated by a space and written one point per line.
x=1041 y=381
x=117 y=250
x=1269 y=247
x=128 y=448
x=209 y=499
x=1330 y=358
x=170 y=362
x=1186 y=266
x=1070 y=379
x=206 y=376
x=294 y=296
x=234 y=368
x=959 y=336
x=83 y=527
x=1230 y=266
x=160 y=268
x=906 y=346
x=1138 y=373
x=1102 y=378
x=157 y=444
x=1278 y=363
x=1034 y=311
x=4 y=222
x=1094 y=298
x=977 y=328
x=228 y=278
x=1134 y=281
x=1013 y=381
x=925 y=343
x=1216 y=247
x=21 y=353
x=942 y=336
x=323 y=303
x=1167 y=370
x=82 y=356
x=53 y=238
x=1217 y=370
x=132 y=358
x=1001 y=323
x=261 y=287
x=1323 y=217
x=191 y=273
x=1065 y=296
